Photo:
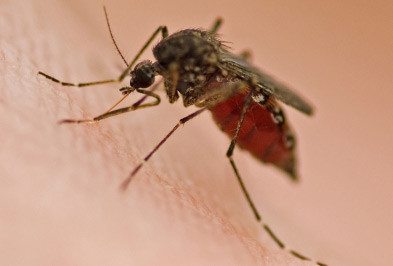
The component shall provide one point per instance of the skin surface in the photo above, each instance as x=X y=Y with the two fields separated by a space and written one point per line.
x=59 y=197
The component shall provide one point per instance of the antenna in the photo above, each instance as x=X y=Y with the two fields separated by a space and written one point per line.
x=113 y=38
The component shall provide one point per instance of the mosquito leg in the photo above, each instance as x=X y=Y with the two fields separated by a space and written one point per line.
x=229 y=154
x=120 y=110
x=153 y=88
x=246 y=54
x=256 y=213
x=164 y=32
x=216 y=25
x=182 y=121
x=83 y=84
x=172 y=82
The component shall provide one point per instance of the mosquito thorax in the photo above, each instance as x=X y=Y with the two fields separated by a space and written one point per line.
x=185 y=44
x=193 y=55
x=143 y=75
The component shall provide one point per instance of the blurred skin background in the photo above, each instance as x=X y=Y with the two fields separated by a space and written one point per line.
x=59 y=202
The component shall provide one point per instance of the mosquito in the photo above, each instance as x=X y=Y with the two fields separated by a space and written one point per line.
x=196 y=65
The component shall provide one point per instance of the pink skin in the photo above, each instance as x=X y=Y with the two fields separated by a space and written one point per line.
x=59 y=197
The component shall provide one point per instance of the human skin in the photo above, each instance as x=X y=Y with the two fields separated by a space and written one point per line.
x=60 y=202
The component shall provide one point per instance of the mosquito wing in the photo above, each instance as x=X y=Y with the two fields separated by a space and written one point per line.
x=245 y=71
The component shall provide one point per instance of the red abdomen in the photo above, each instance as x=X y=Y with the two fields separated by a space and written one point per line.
x=266 y=140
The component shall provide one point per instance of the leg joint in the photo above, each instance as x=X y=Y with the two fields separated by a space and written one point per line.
x=231 y=149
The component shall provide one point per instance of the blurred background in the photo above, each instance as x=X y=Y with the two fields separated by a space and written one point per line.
x=338 y=54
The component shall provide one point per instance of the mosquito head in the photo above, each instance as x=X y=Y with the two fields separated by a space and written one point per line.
x=143 y=75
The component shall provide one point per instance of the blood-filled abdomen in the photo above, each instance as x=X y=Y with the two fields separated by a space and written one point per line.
x=260 y=134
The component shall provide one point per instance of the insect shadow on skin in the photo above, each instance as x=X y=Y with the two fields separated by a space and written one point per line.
x=196 y=65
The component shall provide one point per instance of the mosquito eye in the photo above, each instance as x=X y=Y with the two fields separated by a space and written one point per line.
x=143 y=75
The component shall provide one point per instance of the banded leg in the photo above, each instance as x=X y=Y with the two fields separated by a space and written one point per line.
x=229 y=154
x=256 y=213
x=164 y=33
x=125 y=61
x=135 y=106
x=126 y=182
